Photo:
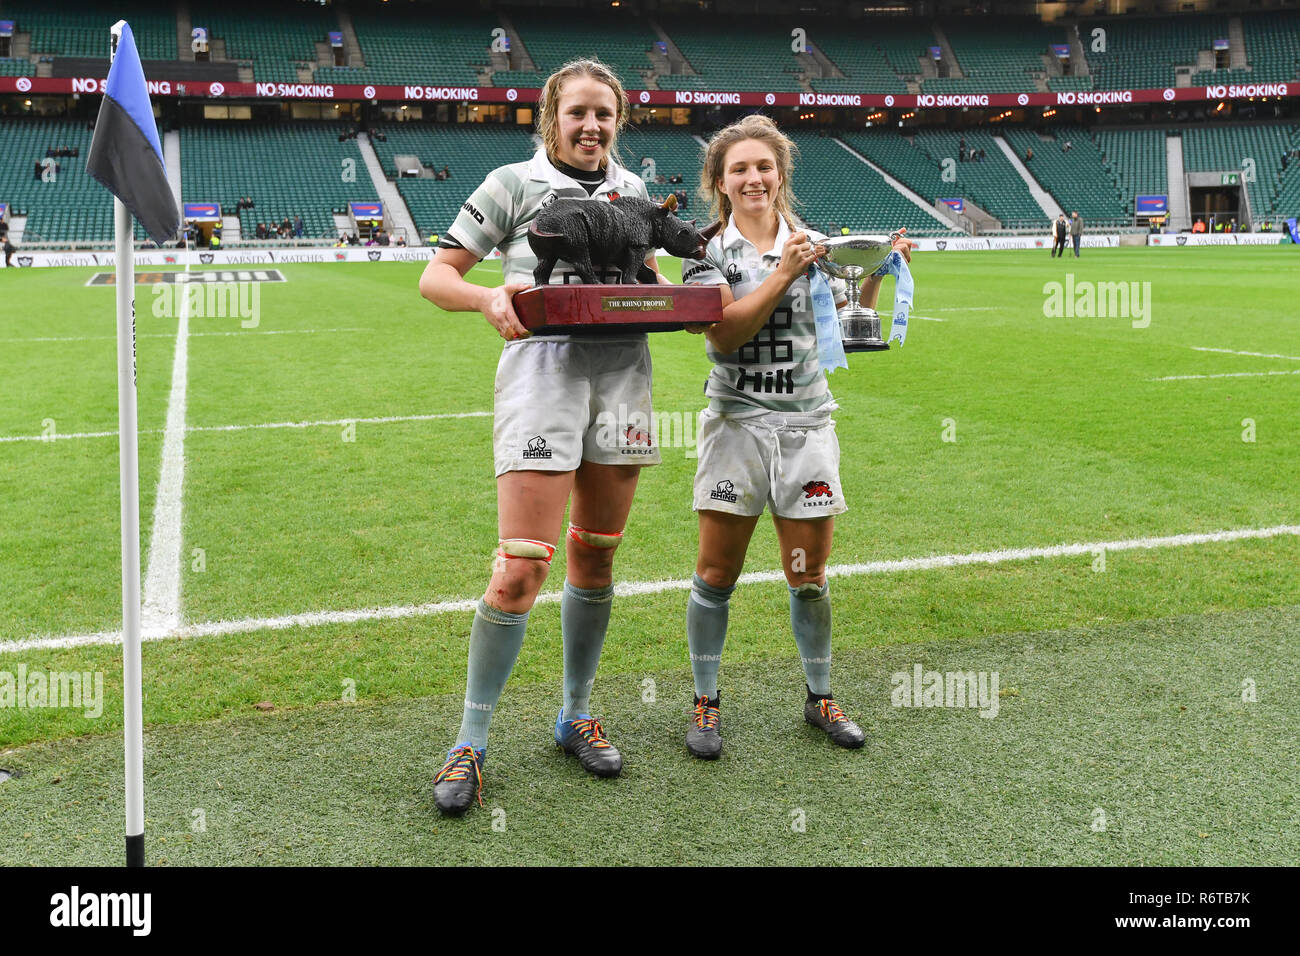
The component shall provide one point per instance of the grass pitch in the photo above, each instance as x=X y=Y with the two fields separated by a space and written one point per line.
x=1066 y=430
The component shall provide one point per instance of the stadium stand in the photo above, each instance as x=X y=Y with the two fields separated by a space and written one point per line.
x=80 y=27
x=471 y=150
x=289 y=170
x=1272 y=45
x=674 y=151
x=10 y=66
x=1210 y=149
x=403 y=46
x=733 y=56
x=999 y=57
x=993 y=183
x=1077 y=179
x=73 y=207
x=622 y=42
x=1135 y=158
x=1069 y=84
x=901 y=158
x=836 y=189
x=867 y=61
x=273 y=42
x=1142 y=52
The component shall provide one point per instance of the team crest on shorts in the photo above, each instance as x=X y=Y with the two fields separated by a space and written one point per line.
x=638 y=441
x=725 y=491
x=817 y=490
x=537 y=448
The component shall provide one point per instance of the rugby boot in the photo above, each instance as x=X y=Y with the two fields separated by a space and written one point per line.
x=704 y=736
x=824 y=713
x=460 y=780
x=585 y=739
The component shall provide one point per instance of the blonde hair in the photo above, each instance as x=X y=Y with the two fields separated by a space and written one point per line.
x=548 y=105
x=763 y=130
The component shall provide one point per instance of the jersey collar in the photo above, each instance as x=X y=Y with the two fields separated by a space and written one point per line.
x=732 y=238
x=541 y=170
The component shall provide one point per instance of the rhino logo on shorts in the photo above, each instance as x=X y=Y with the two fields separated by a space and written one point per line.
x=817 y=489
x=637 y=436
x=537 y=448
x=725 y=491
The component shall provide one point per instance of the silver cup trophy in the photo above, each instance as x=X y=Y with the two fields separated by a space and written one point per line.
x=853 y=258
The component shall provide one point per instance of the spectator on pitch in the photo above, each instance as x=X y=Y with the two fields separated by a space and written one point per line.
x=1060 y=230
x=1076 y=231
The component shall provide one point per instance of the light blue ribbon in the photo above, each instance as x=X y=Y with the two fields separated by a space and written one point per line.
x=830 y=345
x=903 y=287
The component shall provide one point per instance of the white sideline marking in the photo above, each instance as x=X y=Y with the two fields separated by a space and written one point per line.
x=239 y=428
x=1183 y=378
x=633 y=588
x=160 y=606
x=1203 y=348
x=928 y=318
x=167 y=335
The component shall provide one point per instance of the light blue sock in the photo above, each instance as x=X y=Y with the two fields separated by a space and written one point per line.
x=706 y=632
x=584 y=618
x=810 y=616
x=494 y=642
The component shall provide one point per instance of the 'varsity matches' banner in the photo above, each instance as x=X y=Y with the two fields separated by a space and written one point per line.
x=490 y=94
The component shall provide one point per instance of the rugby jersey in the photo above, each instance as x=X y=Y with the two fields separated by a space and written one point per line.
x=776 y=370
x=498 y=213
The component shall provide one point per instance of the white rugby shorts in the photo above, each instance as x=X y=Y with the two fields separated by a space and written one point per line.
x=788 y=462
x=559 y=403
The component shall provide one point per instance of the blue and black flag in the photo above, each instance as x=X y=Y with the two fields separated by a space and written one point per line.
x=125 y=155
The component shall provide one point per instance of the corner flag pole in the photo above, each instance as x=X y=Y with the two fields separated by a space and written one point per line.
x=126 y=157
x=129 y=469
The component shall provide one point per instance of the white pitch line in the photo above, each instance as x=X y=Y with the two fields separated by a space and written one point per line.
x=167 y=335
x=161 y=600
x=1184 y=378
x=634 y=588
x=928 y=318
x=384 y=420
x=1203 y=348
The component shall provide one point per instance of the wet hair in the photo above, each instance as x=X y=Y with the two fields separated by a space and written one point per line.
x=762 y=130
x=548 y=105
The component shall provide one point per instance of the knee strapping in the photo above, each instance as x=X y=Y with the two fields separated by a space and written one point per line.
x=810 y=591
x=525 y=548
x=702 y=592
x=605 y=541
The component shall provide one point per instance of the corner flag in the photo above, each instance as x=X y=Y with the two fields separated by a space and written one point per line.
x=125 y=155
x=126 y=158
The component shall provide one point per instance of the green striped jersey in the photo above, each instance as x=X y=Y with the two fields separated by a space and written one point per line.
x=776 y=370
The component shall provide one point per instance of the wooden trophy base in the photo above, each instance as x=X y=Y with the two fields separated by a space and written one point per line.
x=615 y=309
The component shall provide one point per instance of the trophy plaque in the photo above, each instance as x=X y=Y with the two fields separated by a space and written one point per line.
x=584 y=309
